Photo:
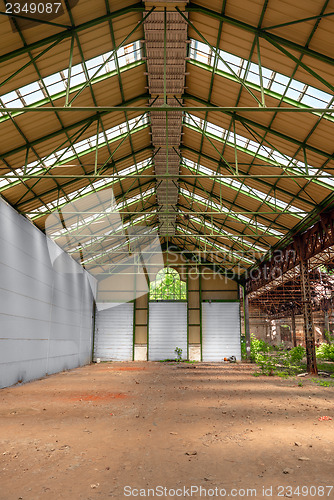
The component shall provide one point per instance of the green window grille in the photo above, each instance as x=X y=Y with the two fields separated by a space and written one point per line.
x=168 y=286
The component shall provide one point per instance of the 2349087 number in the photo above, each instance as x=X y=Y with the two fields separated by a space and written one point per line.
x=32 y=8
x=304 y=491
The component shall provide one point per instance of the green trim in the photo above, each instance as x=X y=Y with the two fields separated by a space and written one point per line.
x=187 y=313
x=200 y=310
x=134 y=318
x=148 y=325
x=94 y=324
x=240 y=323
x=220 y=300
x=134 y=329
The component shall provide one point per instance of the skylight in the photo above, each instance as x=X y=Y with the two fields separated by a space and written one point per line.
x=57 y=82
x=115 y=247
x=234 y=215
x=256 y=193
x=273 y=82
x=94 y=186
x=97 y=238
x=218 y=246
x=64 y=155
x=240 y=239
x=255 y=149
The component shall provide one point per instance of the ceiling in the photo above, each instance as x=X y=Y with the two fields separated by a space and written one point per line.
x=90 y=103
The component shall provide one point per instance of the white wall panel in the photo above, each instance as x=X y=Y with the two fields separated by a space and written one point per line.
x=167 y=330
x=45 y=315
x=114 y=333
x=220 y=330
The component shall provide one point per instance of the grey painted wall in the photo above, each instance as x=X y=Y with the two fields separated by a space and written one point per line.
x=46 y=323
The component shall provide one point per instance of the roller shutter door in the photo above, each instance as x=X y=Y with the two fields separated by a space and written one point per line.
x=220 y=330
x=167 y=330
x=114 y=333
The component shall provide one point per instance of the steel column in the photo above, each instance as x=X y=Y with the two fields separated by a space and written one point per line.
x=246 y=324
x=326 y=327
x=308 y=317
x=293 y=327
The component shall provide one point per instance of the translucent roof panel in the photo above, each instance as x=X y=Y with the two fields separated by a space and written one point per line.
x=56 y=84
x=64 y=155
x=272 y=81
x=266 y=153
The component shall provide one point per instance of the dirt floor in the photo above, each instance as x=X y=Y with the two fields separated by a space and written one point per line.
x=118 y=429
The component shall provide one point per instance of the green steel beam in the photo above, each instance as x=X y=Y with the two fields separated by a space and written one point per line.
x=64 y=129
x=168 y=109
x=306 y=221
x=235 y=239
x=193 y=212
x=22 y=68
x=261 y=32
x=68 y=33
x=300 y=63
x=297 y=21
x=244 y=176
x=216 y=52
x=113 y=52
x=174 y=177
x=118 y=199
x=236 y=209
x=258 y=125
x=34 y=19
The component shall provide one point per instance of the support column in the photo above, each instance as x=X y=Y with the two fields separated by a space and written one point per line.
x=293 y=327
x=308 y=317
x=326 y=327
x=246 y=324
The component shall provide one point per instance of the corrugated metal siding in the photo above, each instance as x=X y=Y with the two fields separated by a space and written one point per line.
x=46 y=323
x=167 y=330
x=220 y=330
x=114 y=333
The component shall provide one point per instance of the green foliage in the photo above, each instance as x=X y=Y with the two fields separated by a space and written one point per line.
x=275 y=360
x=323 y=383
x=297 y=354
x=243 y=347
x=178 y=352
x=258 y=348
x=300 y=383
x=168 y=286
x=329 y=337
x=326 y=350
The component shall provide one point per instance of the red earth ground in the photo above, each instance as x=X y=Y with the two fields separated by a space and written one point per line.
x=117 y=429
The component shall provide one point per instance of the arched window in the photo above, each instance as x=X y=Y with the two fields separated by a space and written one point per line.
x=168 y=286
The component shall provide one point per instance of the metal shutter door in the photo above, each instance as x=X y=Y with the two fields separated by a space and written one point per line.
x=220 y=330
x=167 y=330
x=114 y=333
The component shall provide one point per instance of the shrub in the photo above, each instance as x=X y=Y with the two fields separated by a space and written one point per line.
x=178 y=352
x=325 y=351
x=297 y=353
x=258 y=348
x=275 y=360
